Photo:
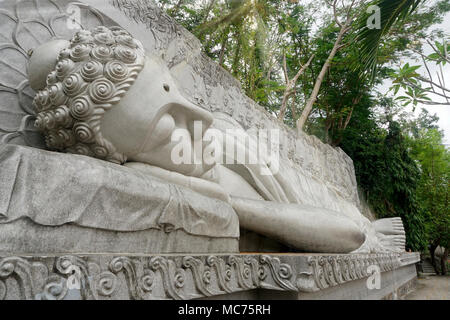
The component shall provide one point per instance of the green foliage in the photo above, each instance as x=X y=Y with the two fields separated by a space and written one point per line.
x=418 y=88
x=385 y=172
x=250 y=38
x=413 y=128
x=442 y=52
x=369 y=39
x=404 y=170
x=433 y=189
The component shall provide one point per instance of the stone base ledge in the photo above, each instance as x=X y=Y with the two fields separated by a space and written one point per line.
x=156 y=277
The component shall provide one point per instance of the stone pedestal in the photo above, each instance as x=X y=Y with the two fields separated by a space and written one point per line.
x=240 y=276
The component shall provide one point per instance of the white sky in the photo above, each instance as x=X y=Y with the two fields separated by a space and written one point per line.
x=443 y=112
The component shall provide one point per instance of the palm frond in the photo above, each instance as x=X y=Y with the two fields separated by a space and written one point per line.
x=368 y=40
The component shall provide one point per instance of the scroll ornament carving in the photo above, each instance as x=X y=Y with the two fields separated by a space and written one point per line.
x=181 y=277
x=335 y=270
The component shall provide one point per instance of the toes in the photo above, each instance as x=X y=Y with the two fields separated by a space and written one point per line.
x=394 y=242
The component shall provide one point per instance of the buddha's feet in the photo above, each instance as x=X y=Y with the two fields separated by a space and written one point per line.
x=390 y=226
x=392 y=243
x=390 y=233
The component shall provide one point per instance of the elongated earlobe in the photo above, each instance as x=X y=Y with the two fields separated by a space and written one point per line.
x=43 y=61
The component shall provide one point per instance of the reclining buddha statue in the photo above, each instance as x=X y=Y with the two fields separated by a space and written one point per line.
x=102 y=95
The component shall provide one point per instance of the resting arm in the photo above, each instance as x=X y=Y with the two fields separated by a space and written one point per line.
x=300 y=226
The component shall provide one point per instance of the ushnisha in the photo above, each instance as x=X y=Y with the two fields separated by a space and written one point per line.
x=91 y=76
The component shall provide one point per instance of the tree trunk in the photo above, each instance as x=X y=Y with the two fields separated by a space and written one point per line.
x=312 y=99
x=222 y=50
x=290 y=85
x=177 y=7
x=433 y=260
x=328 y=123
x=294 y=114
x=237 y=54
x=444 y=262
x=283 y=108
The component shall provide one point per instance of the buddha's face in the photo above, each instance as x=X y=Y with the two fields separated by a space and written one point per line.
x=142 y=123
x=100 y=95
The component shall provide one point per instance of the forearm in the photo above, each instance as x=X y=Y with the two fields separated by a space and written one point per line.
x=302 y=227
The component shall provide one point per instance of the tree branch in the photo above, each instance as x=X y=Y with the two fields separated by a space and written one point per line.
x=438 y=52
x=286 y=77
x=433 y=103
x=290 y=85
x=303 y=68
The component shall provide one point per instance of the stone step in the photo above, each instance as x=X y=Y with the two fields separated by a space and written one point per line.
x=427 y=267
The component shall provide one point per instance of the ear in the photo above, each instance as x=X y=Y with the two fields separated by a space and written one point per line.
x=43 y=61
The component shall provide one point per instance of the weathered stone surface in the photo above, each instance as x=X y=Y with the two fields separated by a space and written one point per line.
x=26 y=237
x=200 y=276
x=394 y=285
x=54 y=189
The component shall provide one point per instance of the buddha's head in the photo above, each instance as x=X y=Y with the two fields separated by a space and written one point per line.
x=100 y=95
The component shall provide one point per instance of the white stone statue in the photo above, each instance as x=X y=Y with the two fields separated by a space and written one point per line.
x=102 y=95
